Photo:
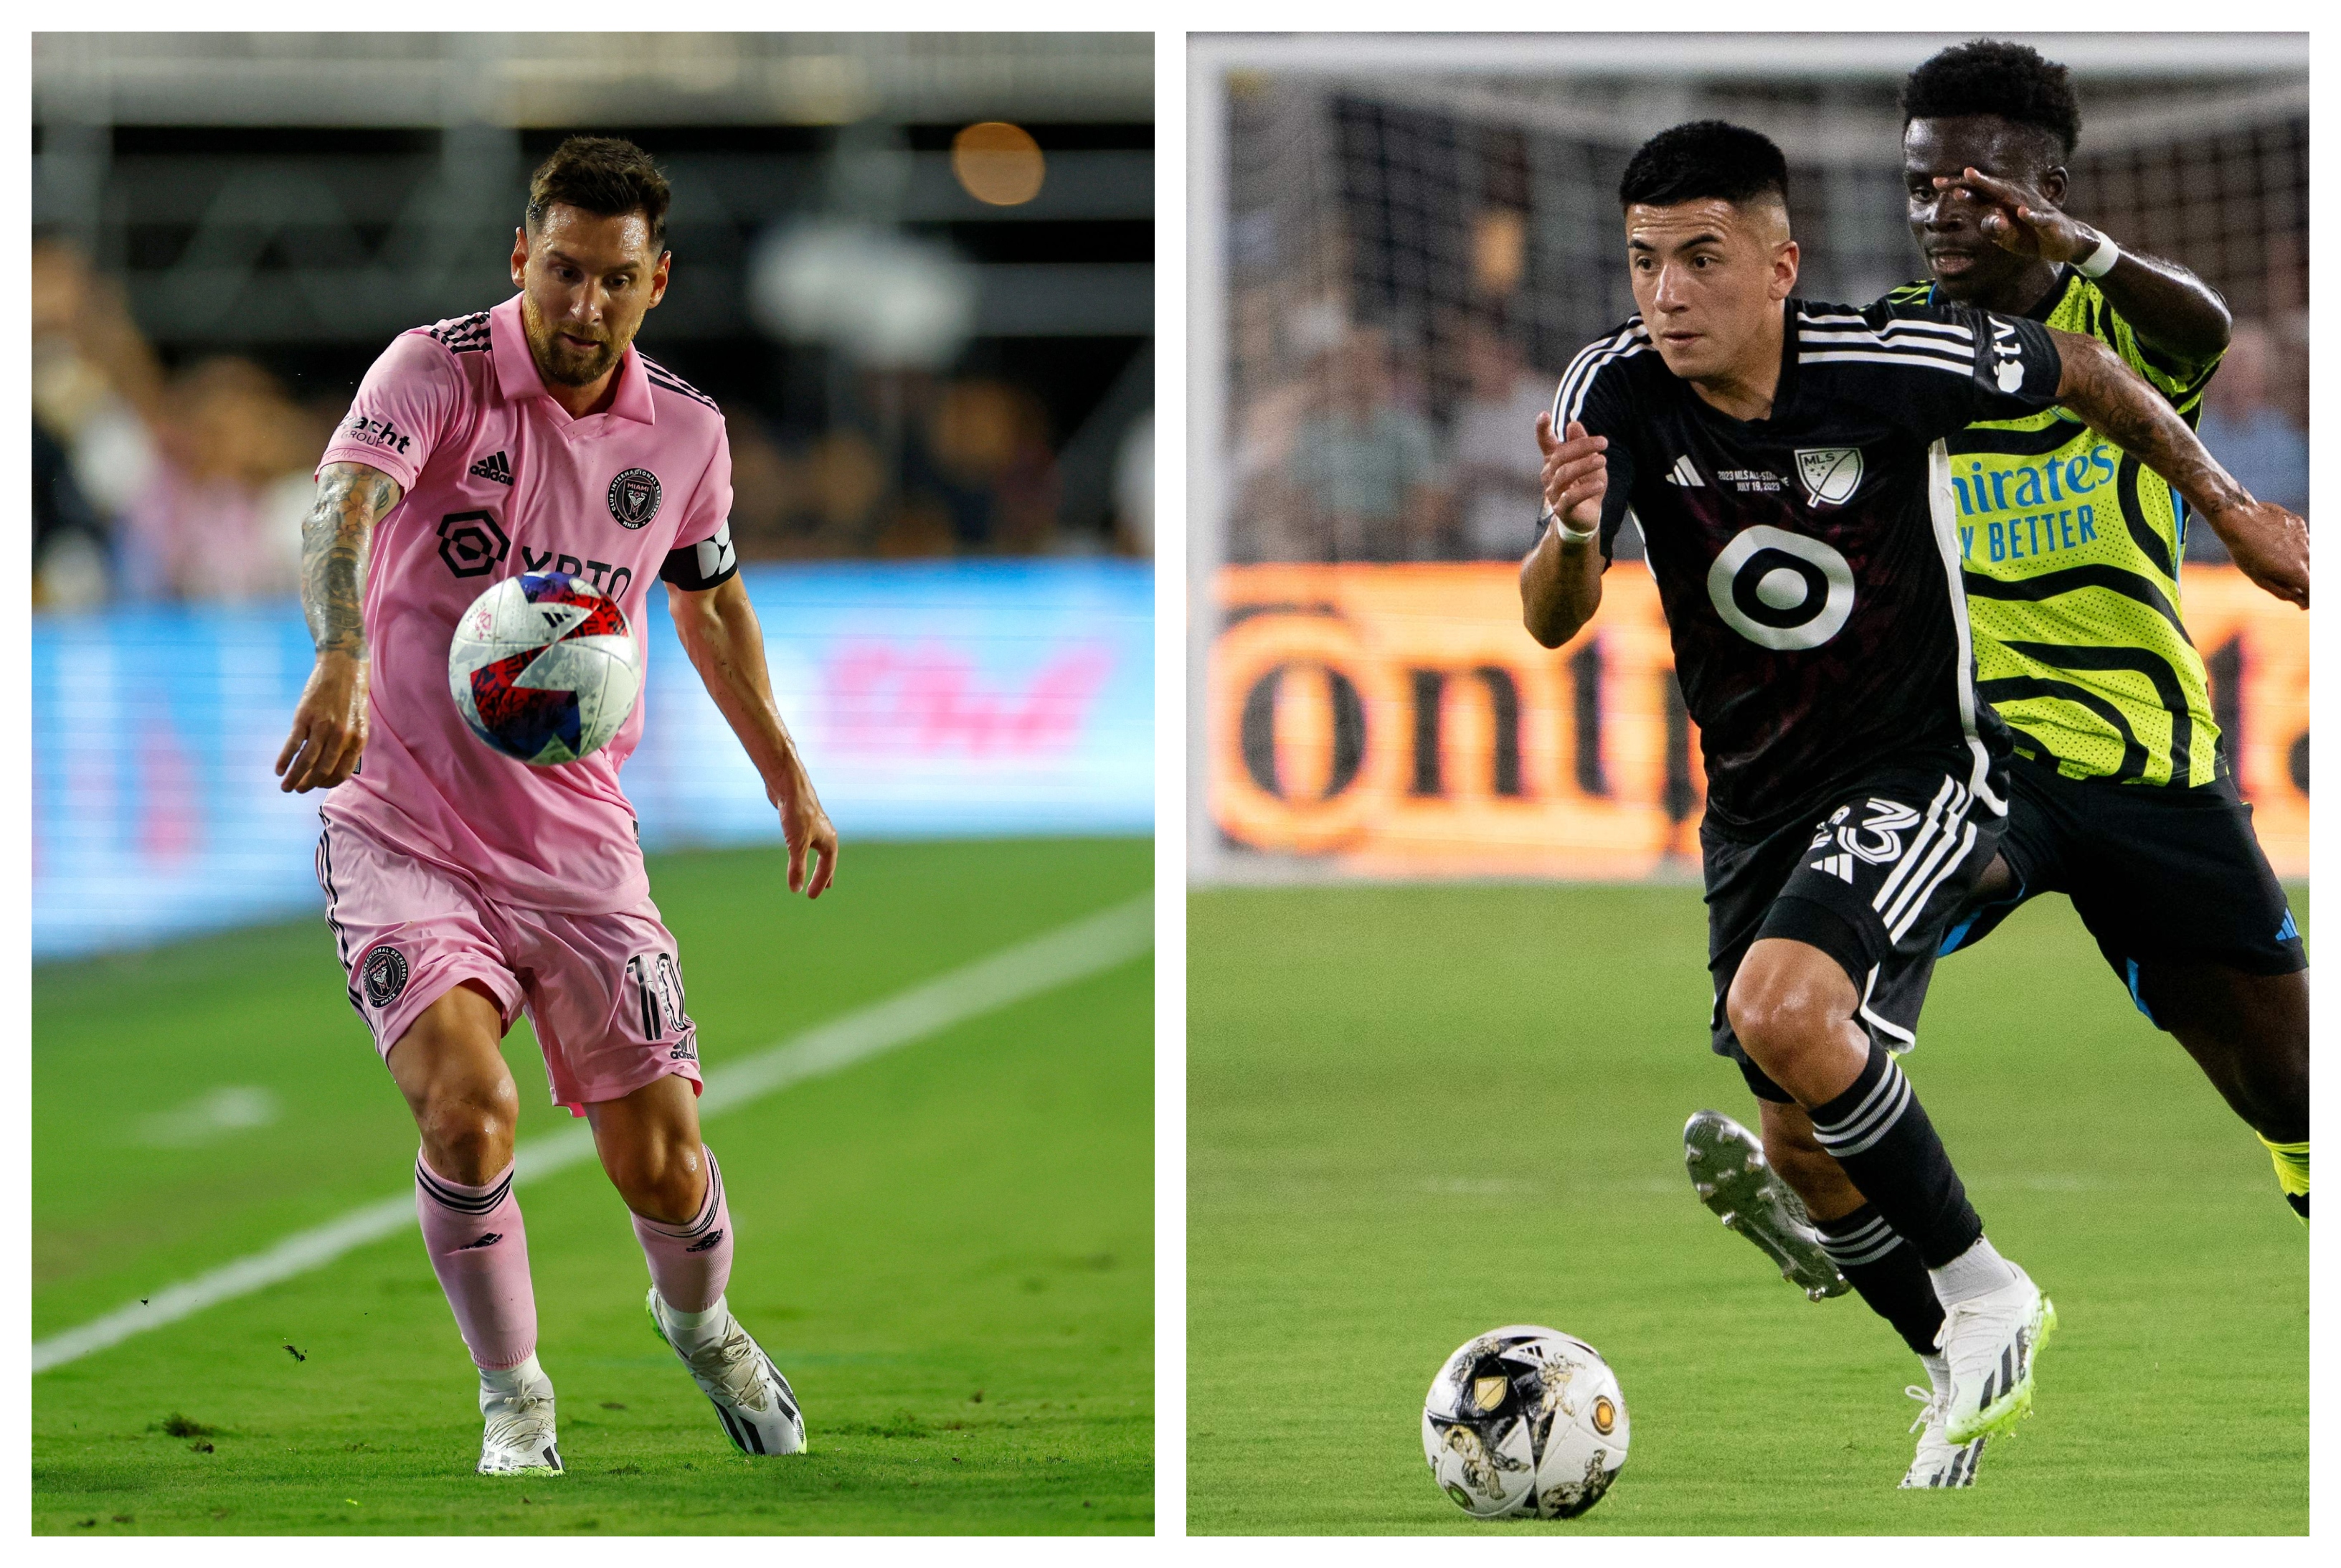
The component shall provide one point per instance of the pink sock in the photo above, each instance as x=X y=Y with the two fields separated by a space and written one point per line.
x=691 y=1263
x=479 y=1249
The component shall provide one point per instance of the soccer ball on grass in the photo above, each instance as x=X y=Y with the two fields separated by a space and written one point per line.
x=1525 y=1423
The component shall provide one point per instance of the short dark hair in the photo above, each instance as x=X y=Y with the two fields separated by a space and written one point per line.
x=1989 y=76
x=603 y=175
x=1706 y=160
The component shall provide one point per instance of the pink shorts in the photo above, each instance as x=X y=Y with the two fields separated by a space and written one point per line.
x=603 y=991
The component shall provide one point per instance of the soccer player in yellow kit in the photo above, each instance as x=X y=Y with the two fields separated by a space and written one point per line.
x=2121 y=796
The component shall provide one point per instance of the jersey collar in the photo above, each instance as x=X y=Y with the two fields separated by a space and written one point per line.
x=2043 y=308
x=517 y=379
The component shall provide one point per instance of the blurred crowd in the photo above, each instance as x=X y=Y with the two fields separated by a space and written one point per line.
x=916 y=464
x=150 y=482
x=1355 y=454
x=189 y=482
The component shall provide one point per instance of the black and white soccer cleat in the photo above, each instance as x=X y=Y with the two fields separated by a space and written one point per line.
x=751 y=1399
x=519 y=1438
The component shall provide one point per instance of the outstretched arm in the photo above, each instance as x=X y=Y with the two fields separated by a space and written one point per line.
x=2172 y=309
x=1560 y=580
x=2268 y=541
x=329 y=725
x=719 y=631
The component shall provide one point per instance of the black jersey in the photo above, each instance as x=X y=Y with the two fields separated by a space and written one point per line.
x=1809 y=562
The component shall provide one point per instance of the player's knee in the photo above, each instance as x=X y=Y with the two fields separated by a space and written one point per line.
x=665 y=1182
x=1779 y=1019
x=467 y=1130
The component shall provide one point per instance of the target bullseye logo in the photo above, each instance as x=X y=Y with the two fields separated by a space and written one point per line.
x=1780 y=590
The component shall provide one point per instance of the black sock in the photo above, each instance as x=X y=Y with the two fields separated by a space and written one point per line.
x=1888 y=1272
x=1879 y=1133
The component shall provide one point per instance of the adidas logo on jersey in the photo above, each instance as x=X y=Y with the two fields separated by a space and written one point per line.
x=493 y=467
x=1684 y=475
x=1836 y=865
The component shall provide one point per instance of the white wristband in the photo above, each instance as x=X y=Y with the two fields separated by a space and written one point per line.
x=1569 y=536
x=2100 y=261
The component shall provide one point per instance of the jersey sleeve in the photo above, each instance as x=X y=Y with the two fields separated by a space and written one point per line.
x=1955 y=366
x=409 y=403
x=702 y=556
x=1595 y=393
x=2179 y=379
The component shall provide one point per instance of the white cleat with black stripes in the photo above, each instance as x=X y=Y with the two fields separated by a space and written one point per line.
x=1940 y=1461
x=519 y=1439
x=751 y=1399
x=1991 y=1342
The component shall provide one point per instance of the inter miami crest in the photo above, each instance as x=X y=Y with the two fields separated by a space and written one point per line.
x=634 y=497
x=384 y=974
x=1832 y=474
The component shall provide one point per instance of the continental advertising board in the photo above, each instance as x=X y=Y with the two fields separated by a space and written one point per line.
x=1396 y=722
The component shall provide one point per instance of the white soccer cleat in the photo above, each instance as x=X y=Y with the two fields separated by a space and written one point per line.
x=1991 y=1342
x=519 y=1439
x=751 y=1399
x=1940 y=1461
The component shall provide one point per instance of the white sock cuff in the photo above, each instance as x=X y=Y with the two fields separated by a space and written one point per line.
x=714 y=1312
x=1938 y=1371
x=1979 y=1271
x=510 y=1380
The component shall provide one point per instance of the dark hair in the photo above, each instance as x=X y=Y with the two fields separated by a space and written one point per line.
x=603 y=176
x=1706 y=160
x=1991 y=77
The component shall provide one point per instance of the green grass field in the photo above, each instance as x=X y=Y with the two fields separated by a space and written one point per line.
x=948 y=1248
x=1417 y=1113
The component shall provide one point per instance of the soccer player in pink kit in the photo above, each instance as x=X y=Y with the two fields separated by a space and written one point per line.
x=462 y=886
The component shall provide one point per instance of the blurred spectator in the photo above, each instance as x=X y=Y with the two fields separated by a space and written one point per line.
x=1364 y=465
x=1133 y=488
x=1495 y=461
x=220 y=514
x=95 y=385
x=2249 y=435
x=70 y=568
x=987 y=456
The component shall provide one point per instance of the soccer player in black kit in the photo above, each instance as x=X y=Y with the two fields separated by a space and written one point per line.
x=1785 y=463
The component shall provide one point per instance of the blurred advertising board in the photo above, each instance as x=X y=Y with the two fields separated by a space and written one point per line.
x=1395 y=721
x=931 y=701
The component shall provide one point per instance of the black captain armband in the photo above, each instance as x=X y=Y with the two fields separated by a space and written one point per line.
x=709 y=563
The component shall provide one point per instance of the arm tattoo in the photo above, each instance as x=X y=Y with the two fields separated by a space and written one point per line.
x=2118 y=404
x=335 y=541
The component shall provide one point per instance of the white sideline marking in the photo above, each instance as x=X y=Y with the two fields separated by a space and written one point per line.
x=1069 y=954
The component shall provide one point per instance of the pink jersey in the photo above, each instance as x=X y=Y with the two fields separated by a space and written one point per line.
x=499 y=480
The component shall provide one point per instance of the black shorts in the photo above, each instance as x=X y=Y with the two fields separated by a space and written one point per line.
x=2155 y=873
x=1873 y=884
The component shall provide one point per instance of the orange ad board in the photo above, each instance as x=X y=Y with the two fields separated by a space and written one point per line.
x=1396 y=722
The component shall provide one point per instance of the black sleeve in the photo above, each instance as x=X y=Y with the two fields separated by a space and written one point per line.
x=1597 y=393
x=709 y=563
x=1957 y=365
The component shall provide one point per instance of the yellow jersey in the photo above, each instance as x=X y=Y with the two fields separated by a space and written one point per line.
x=2071 y=550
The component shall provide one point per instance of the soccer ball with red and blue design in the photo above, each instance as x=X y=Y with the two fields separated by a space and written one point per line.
x=543 y=668
x=1525 y=1423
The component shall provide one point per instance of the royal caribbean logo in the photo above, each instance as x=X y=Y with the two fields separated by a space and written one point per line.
x=634 y=497
x=384 y=974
